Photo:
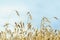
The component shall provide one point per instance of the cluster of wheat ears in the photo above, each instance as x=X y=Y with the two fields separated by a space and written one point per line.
x=44 y=33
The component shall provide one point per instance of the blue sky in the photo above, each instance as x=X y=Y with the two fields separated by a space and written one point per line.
x=38 y=8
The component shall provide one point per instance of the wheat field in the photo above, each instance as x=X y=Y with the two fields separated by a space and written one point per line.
x=46 y=32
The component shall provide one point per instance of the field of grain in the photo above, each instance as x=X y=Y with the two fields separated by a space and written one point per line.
x=30 y=33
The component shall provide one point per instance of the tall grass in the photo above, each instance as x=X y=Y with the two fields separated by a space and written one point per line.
x=44 y=33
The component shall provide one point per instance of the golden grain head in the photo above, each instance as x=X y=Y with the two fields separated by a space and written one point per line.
x=55 y=18
x=17 y=13
x=6 y=24
x=29 y=25
x=30 y=16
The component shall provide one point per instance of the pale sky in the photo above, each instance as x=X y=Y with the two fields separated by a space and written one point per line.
x=38 y=8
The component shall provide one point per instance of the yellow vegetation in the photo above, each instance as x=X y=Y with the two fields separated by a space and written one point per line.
x=45 y=33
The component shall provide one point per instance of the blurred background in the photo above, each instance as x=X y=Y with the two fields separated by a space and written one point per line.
x=37 y=8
